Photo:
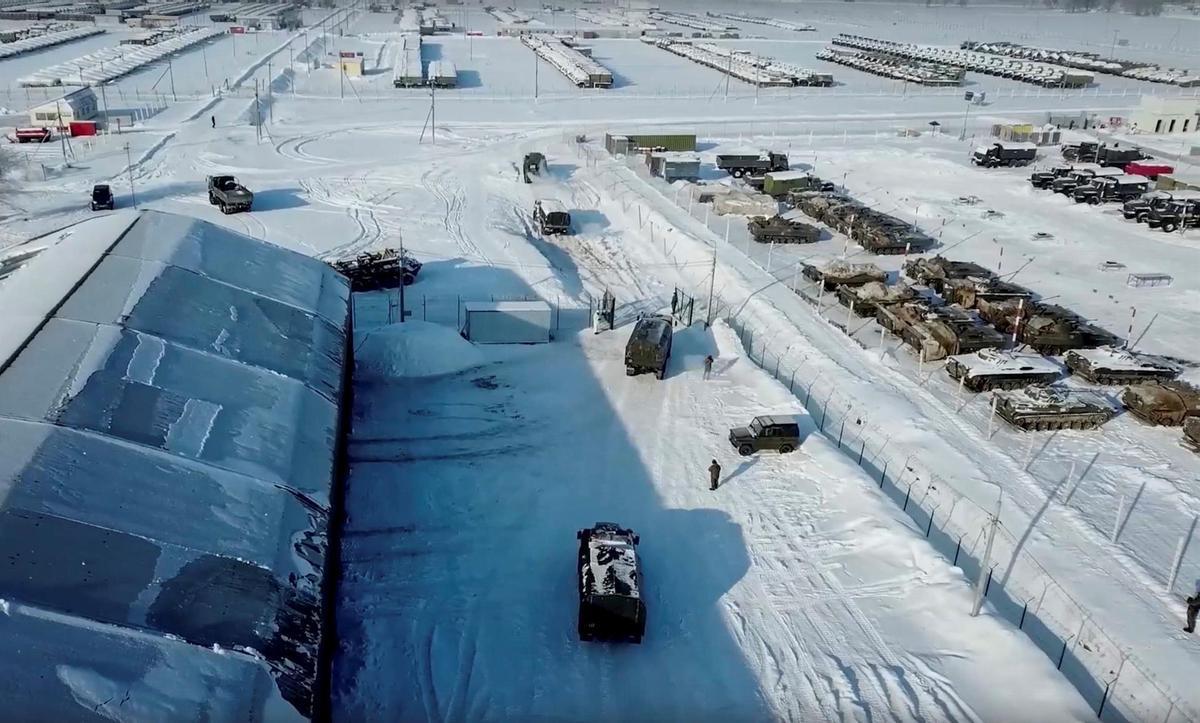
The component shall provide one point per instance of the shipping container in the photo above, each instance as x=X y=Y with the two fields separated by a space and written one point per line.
x=507 y=322
x=679 y=142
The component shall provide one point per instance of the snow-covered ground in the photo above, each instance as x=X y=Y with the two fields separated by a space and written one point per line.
x=812 y=597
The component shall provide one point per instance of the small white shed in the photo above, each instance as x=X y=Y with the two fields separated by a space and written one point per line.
x=507 y=322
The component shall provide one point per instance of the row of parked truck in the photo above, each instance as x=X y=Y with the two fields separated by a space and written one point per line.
x=1167 y=210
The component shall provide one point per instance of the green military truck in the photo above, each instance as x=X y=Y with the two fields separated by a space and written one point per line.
x=779 y=184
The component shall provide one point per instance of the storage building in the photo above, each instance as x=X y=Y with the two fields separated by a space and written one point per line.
x=167 y=471
x=77 y=105
x=1156 y=114
x=674 y=166
x=351 y=64
x=507 y=322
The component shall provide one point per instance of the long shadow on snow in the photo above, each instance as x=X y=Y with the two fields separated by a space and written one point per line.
x=459 y=598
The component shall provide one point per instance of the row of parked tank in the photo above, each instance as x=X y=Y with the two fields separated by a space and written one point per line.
x=997 y=335
x=877 y=232
x=1100 y=174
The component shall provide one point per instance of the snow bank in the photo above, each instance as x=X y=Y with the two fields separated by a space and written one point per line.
x=414 y=349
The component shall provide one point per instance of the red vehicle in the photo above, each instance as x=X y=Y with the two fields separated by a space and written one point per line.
x=1149 y=170
x=33 y=135
x=82 y=128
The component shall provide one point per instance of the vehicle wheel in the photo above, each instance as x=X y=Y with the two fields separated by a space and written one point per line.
x=745 y=450
x=630 y=371
x=1094 y=200
x=785 y=448
x=660 y=374
x=408 y=279
x=224 y=209
x=737 y=173
x=1168 y=226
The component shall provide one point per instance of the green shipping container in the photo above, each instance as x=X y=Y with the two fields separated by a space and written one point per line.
x=665 y=142
x=778 y=184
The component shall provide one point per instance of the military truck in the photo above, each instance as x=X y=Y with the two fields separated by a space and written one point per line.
x=1045 y=408
x=781 y=434
x=1004 y=153
x=1110 y=365
x=1051 y=329
x=1174 y=215
x=533 y=165
x=782 y=184
x=743 y=164
x=1105 y=155
x=1138 y=209
x=1111 y=188
x=935 y=271
x=839 y=272
x=1078 y=177
x=866 y=299
x=1191 y=433
x=227 y=194
x=611 y=607
x=996 y=369
x=649 y=347
x=782 y=231
x=1043 y=179
x=384 y=269
x=551 y=216
x=1165 y=403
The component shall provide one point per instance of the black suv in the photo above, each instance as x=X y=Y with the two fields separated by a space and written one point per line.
x=779 y=433
x=610 y=584
x=649 y=347
x=102 y=197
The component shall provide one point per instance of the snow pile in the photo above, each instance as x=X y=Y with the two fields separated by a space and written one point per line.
x=414 y=349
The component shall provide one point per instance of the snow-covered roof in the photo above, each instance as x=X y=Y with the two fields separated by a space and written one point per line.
x=1015 y=146
x=612 y=566
x=1107 y=357
x=552 y=205
x=169 y=406
x=996 y=361
x=788 y=175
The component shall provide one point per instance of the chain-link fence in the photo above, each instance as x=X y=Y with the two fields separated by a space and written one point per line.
x=377 y=308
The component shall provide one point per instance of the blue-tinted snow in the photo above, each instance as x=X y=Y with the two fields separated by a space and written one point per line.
x=167 y=442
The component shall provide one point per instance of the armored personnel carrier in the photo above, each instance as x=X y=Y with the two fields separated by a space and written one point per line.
x=1163 y=403
x=995 y=369
x=1051 y=329
x=864 y=300
x=1108 y=365
x=1191 y=433
x=934 y=272
x=1043 y=408
x=383 y=269
x=1005 y=314
x=610 y=581
x=890 y=239
x=972 y=290
x=844 y=273
x=782 y=231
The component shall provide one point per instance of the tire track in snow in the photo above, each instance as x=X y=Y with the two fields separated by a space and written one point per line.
x=450 y=193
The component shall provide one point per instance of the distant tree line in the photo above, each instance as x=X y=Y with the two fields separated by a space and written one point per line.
x=1137 y=7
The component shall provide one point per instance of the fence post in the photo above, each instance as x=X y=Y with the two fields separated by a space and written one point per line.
x=883 y=473
x=861 y=451
x=992 y=416
x=929 y=527
x=957 y=549
x=840 y=433
x=1117 y=522
x=1178 y=559
x=906 y=496
x=1024 y=610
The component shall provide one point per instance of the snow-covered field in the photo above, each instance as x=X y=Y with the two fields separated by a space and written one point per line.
x=797 y=591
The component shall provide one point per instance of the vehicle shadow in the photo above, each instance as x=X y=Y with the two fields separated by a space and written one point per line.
x=460 y=595
x=278 y=199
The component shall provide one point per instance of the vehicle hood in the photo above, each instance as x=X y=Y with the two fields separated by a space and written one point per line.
x=741 y=433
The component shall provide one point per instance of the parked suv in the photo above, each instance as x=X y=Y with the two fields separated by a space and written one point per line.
x=649 y=347
x=102 y=197
x=778 y=433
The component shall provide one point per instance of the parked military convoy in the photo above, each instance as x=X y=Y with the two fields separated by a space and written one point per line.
x=877 y=232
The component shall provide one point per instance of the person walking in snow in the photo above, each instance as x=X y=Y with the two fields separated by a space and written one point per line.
x=214 y=121
x=708 y=362
x=714 y=476
x=674 y=301
x=1193 y=604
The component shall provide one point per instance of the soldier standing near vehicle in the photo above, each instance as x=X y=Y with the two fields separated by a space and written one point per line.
x=1193 y=604
x=714 y=476
x=213 y=118
x=708 y=362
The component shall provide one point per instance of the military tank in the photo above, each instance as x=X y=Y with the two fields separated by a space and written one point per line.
x=937 y=331
x=1108 y=365
x=845 y=273
x=864 y=300
x=1166 y=403
x=1004 y=313
x=1051 y=329
x=972 y=290
x=782 y=231
x=1043 y=408
x=1191 y=433
x=935 y=271
x=819 y=204
x=996 y=369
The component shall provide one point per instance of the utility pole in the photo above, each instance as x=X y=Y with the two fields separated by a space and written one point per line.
x=728 y=75
x=963 y=136
x=433 y=112
x=171 y=70
x=257 y=114
x=712 y=281
x=401 y=277
x=204 y=55
x=535 y=74
x=129 y=167
x=986 y=562
x=341 y=81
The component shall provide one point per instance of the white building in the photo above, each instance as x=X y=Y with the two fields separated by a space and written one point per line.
x=74 y=106
x=1166 y=115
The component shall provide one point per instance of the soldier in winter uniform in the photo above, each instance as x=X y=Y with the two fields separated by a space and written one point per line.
x=714 y=476
x=708 y=362
x=1193 y=604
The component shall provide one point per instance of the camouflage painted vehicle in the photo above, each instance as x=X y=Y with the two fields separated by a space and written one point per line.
x=935 y=271
x=973 y=290
x=845 y=273
x=938 y=332
x=1108 y=365
x=1052 y=329
x=996 y=369
x=782 y=231
x=1166 y=403
x=1191 y=433
x=864 y=300
x=1046 y=408
x=819 y=204
x=374 y=270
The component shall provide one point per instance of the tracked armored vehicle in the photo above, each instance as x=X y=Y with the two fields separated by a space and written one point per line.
x=383 y=269
x=782 y=231
x=934 y=272
x=996 y=369
x=1052 y=329
x=844 y=273
x=866 y=299
x=972 y=291
x=1191 y=434
x=938 y=332
x=610 y=582
x=820 y=204
x=1166 y=403
x=1108 y=365
x=1045 y=408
